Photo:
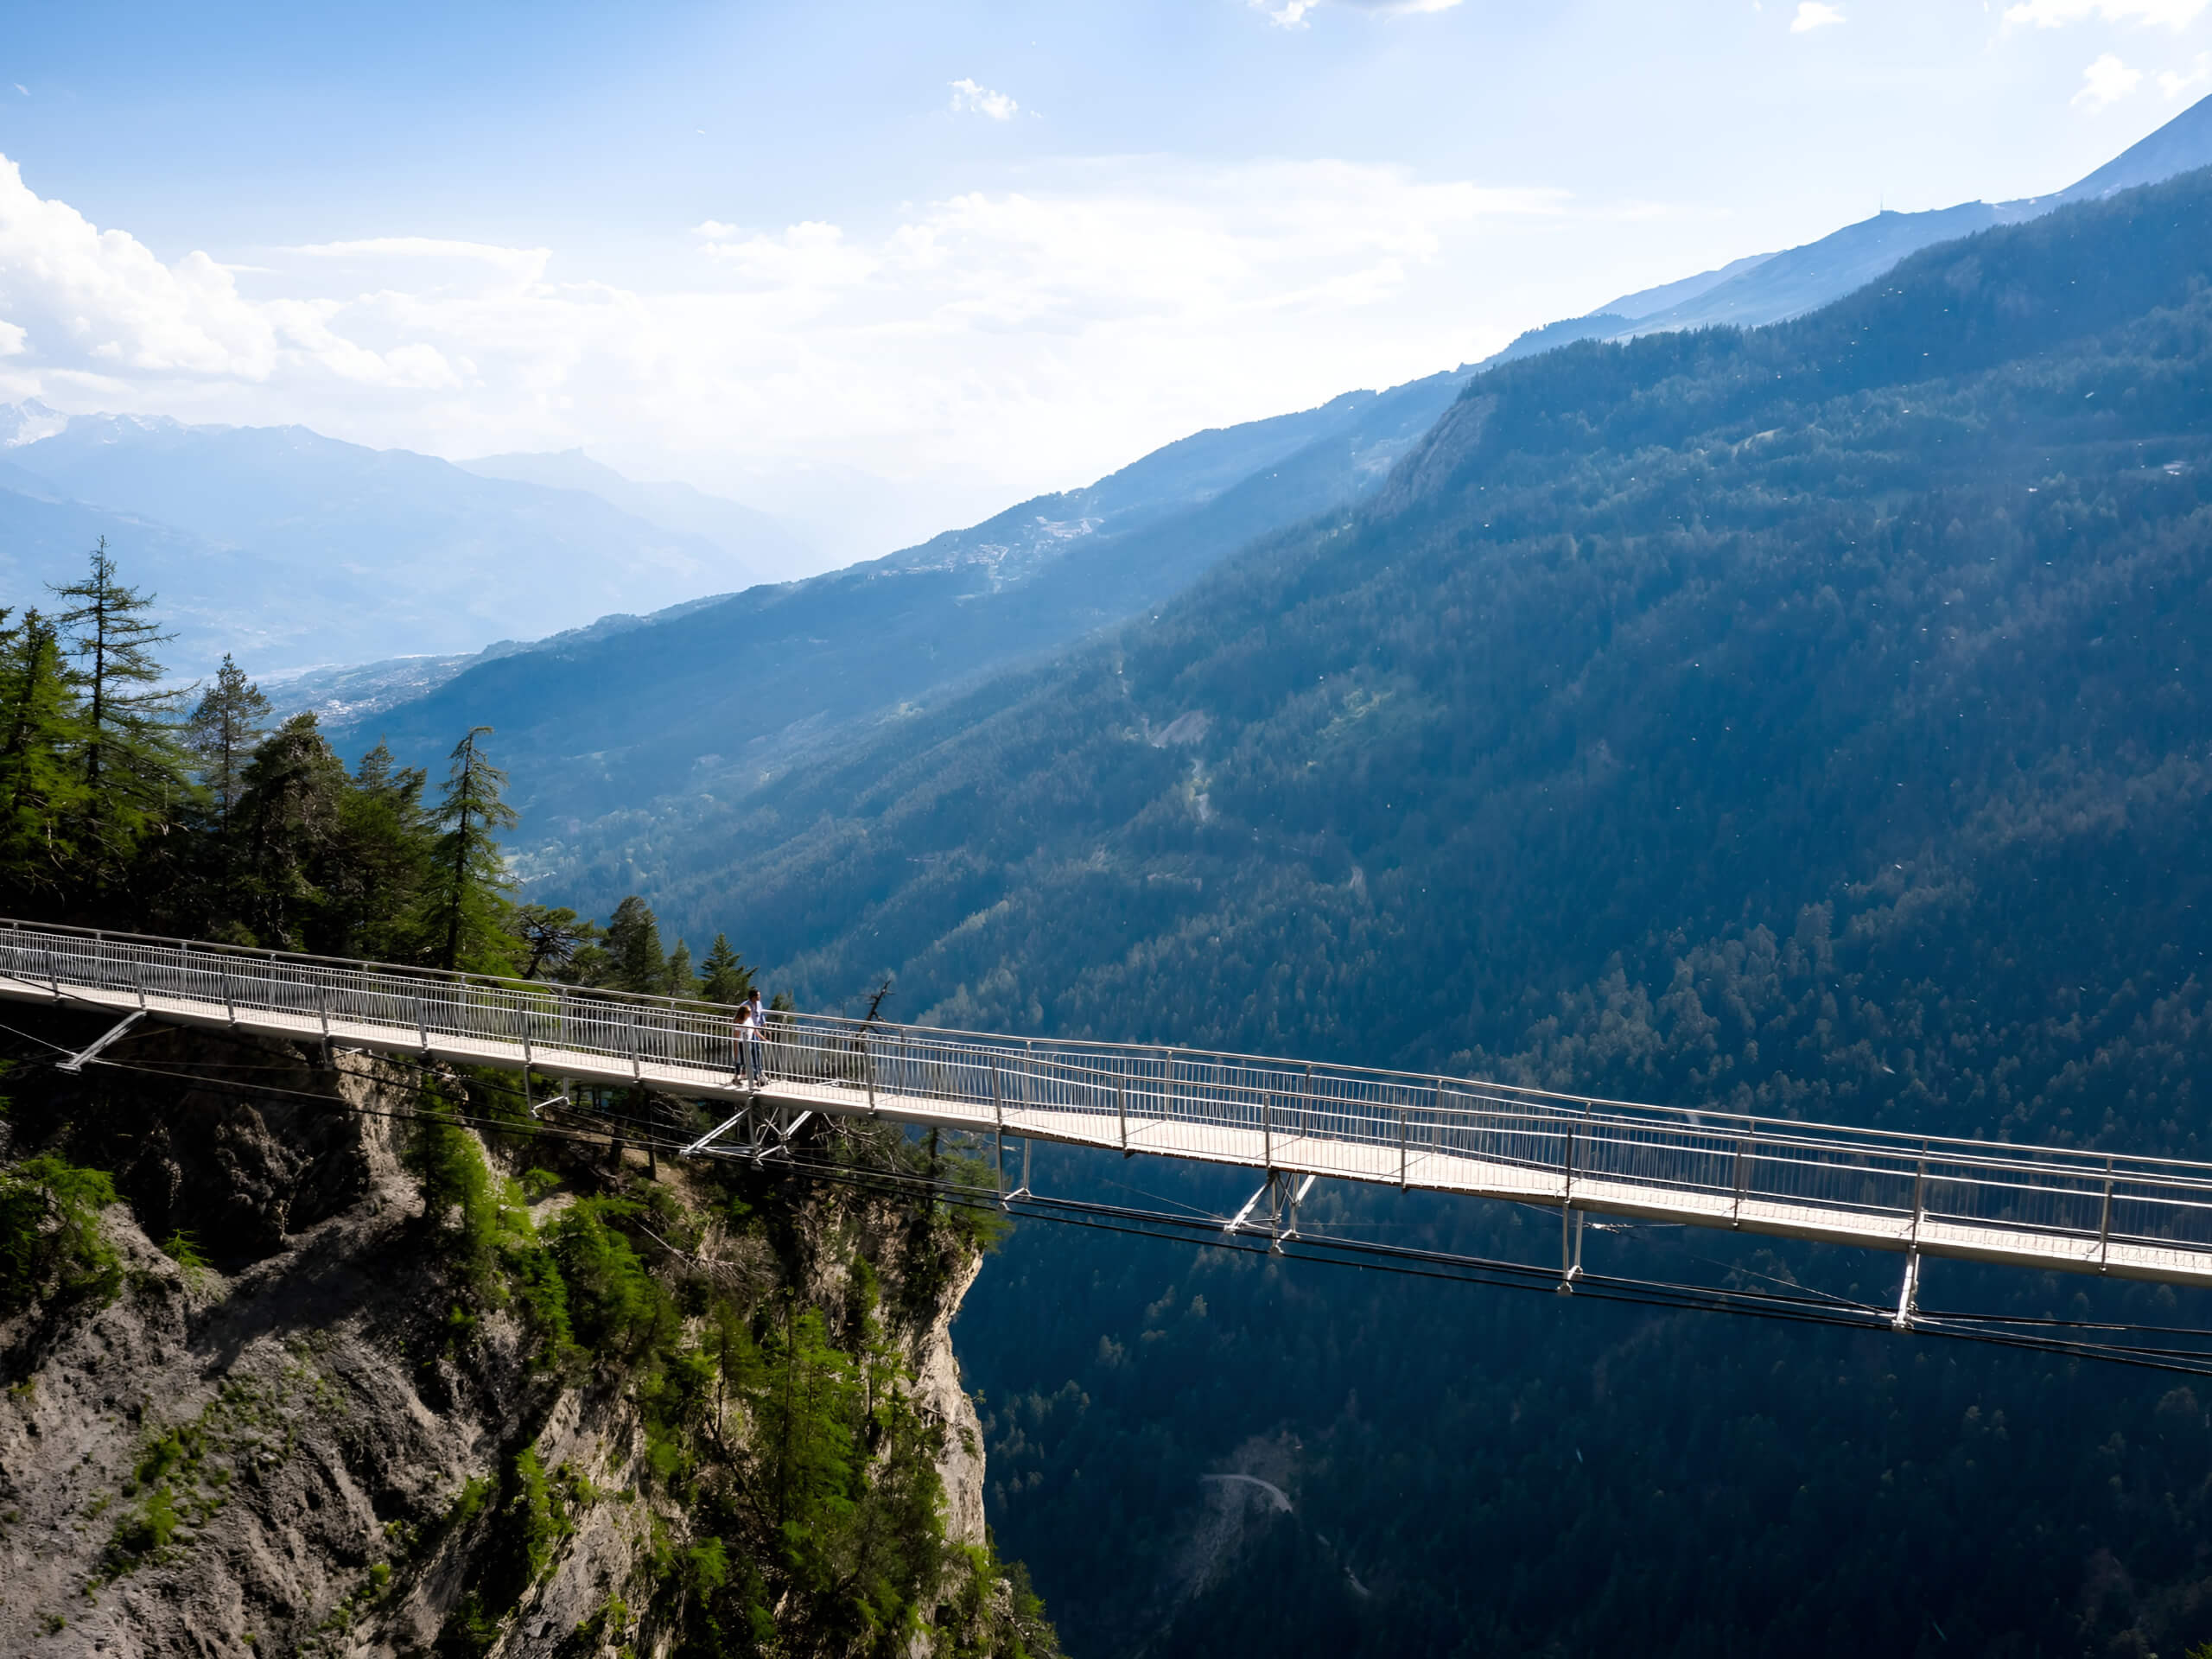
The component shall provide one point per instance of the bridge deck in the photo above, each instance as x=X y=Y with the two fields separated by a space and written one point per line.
x=1440 y=1171
x=2039 y=1208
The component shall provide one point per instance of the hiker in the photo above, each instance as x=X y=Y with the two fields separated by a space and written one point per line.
x=749 y=1023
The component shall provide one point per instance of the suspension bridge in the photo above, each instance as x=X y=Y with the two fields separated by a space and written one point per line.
x=1293 y=1122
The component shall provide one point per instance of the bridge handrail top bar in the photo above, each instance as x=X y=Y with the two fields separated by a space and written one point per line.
x=1552 y=1109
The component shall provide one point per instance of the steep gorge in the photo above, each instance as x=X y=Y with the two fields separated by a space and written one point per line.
x=411 y=1377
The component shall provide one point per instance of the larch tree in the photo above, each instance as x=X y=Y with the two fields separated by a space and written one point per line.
x=224 y=731
x=40 y=794
x=550 y=937
x=127 y=758
x=468 y=886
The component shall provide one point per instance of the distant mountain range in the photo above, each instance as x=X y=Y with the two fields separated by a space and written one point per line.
x=1770 y=288
x=290 y=549
x=767 y=544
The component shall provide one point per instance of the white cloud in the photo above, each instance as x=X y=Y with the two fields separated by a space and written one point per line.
x=1811 y=14
x=2105 y=82
x=95 y=302
x=2053 y=14
x=526 y=265
x=1291 y=14
x=1022 y=337
x=981 y=100
x=2173 y=84
x=805 y=257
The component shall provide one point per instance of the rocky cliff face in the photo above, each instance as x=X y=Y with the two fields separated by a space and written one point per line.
x=310 y=1425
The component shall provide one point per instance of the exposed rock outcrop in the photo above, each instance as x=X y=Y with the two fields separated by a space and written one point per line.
x=321 y=1439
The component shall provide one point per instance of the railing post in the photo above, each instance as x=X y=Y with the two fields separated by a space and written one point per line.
x=422 y=1024
x=322 y=1005
x=1908 y=1291
x=1121 y=1102
x=230 y=1007
x=1266 y=1133
x=1742 y=1175
x=637 y=1064
x=1566 y=1189
x=138 y=978
x=998 y=1116
x=867 y=1067
x=1402 y=1148
x=1919 y=1191
x=1305 y=1104
x=2104 y=1223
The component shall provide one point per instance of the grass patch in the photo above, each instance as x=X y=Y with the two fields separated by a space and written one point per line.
x=183 y=1248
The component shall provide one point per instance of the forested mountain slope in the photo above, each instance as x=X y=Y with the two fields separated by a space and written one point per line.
x=762 y=682
x=1684 y=633
x=716 y=698
x=1813 y=720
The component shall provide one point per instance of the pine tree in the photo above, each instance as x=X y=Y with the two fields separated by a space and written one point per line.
x=728 y=979
x=127 y=758
x=469 y=884
x=227 y=726
x=40 y=795
x=290 y=816
x=633 y=945
x=681 y=981
x=374 y=893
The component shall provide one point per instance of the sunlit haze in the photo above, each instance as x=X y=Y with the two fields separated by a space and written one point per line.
x=888 y=267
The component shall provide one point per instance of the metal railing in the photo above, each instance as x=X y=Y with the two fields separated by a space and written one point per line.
x=2147 y=1216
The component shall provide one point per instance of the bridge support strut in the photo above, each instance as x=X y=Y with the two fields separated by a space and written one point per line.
x=1285 y=1191
x=1908 y=1293
x=767 y=1130
x=77 y=1062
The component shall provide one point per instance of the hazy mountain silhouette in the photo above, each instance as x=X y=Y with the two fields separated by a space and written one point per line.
x=305 y=549
x=763 y=547
x=1770 y=288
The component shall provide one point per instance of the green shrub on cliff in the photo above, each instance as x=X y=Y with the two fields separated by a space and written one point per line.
x=50 y=1240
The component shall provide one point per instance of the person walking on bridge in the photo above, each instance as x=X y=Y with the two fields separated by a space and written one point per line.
x=749 y=1022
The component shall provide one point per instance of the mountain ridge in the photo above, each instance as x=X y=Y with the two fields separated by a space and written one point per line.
x=277 y=542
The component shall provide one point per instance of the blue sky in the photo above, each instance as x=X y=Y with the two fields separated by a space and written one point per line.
x=972 y=251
